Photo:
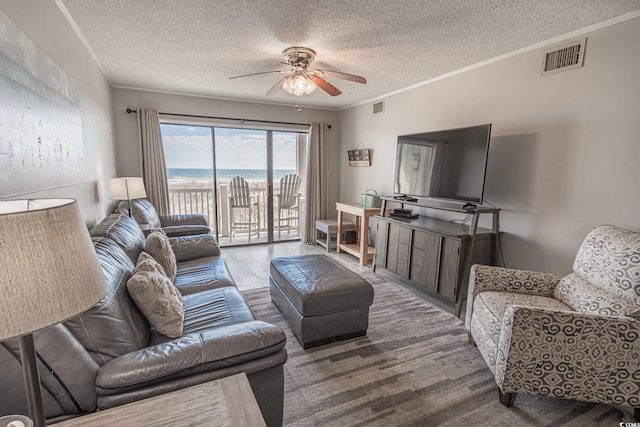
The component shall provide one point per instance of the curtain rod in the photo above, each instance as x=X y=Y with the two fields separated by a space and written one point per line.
x=129 y=111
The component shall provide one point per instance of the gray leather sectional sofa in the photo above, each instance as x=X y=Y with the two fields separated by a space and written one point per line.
x=110 y=355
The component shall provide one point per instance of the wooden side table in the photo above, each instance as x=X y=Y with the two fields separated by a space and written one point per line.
x=361 y=249
x=228 y=401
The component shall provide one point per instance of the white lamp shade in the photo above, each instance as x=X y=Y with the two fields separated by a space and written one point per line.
x=126 y=188
x=49 y=271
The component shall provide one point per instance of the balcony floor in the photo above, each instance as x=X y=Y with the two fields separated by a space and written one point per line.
x=243 y=239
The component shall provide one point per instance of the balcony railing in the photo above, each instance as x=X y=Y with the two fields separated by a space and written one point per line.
x=201 y=200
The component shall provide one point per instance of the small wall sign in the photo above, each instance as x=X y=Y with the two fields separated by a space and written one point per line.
x=359 y=157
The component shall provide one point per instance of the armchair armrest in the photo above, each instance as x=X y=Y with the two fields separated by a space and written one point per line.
x=570 y=355
x=187 y=248
x=491 y=278
x=190 y=354
x=184 y=219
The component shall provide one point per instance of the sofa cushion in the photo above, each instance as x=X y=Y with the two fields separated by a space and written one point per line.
x=159 y=247
x=186 y=230
x=157 y=298
x=223 y=348
x=210 y=310
x=192 y=247
x=114 y=326
x=584 y=297
x=122 y=230
x=142 y=212
x=609 y=258
x=202 y=274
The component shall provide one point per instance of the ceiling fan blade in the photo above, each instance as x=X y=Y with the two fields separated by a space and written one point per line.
x=325 y=85
x=276 y=87
x=256 y=74
x=343 y=76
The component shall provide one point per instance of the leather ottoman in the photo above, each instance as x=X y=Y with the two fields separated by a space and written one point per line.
x=321 y=300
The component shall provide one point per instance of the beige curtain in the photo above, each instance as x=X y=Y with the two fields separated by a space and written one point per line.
x=154 y=170
x=316 y=191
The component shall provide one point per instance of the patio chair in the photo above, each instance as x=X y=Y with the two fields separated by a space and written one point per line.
x=287 y=201
x=243 y=208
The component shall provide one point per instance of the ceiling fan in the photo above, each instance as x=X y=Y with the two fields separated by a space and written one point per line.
x=300 y=79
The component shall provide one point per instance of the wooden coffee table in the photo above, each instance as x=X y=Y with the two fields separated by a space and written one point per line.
x=228 y=401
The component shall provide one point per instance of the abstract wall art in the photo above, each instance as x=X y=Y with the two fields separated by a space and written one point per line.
x=41 y=143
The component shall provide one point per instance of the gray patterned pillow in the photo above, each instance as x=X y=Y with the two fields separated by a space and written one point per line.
x=158 y=299
x=158 y=246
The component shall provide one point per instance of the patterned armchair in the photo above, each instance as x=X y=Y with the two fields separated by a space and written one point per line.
x=573 y=337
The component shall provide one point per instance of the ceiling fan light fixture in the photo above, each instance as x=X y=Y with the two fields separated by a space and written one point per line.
x=301 y=80
x=299 y=85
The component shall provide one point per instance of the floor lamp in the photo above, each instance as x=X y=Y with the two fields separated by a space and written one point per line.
x=128 y=188
x=49 y=272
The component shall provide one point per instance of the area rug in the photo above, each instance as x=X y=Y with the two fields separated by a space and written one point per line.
x=415 y=367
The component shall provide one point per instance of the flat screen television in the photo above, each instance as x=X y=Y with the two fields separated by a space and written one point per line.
x=446 y=164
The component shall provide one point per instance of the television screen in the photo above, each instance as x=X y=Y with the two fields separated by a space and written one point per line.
x=447 y=164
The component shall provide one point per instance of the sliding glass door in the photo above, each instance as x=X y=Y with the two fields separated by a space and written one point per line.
x=242 y=181
x=188 y=153
x=249 y=182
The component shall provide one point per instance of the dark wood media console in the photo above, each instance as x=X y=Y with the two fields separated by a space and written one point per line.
x=432 y=254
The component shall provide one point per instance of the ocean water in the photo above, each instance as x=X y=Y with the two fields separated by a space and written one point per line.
x=225 y=174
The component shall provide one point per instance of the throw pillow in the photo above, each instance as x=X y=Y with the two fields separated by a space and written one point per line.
x=158 y=246
x=148 y=263
x=159 y=301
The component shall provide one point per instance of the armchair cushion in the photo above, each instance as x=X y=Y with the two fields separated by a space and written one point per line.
x=609 y=258
x=584 y=297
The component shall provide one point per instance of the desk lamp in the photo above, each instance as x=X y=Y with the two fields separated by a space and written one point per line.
x=49 y=272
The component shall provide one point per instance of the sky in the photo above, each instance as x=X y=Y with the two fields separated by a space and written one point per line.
x=191 y=147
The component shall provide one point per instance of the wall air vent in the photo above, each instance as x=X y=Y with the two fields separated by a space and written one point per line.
x=566 y=56
x=378 y=107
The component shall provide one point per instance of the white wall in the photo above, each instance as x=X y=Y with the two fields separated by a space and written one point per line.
x=125 y=124
x=45 y=24
x=565 y=148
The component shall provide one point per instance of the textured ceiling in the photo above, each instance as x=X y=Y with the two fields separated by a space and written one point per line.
x=193 y=46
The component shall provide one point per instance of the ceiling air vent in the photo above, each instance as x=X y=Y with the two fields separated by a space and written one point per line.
x=563 y=57
x=378 y=107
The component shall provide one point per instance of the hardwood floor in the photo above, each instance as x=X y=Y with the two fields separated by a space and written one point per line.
x=249 y=265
